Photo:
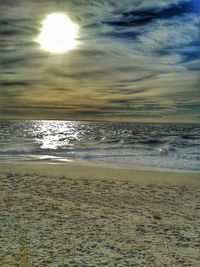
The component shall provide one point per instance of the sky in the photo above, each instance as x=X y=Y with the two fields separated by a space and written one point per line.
x=135 y=60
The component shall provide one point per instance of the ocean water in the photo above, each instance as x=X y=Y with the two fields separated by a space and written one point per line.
x=171 y=146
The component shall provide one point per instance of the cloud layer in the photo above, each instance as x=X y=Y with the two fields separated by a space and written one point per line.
x=136 y=60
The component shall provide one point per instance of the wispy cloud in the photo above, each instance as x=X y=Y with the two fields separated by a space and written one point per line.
x=135 y=59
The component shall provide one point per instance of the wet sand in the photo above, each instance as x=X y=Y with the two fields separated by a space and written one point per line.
x=98 y=216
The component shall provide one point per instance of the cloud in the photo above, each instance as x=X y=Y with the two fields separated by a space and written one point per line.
x=147 y=14
x=13 y=83
x=170 y=34
x=135 y=58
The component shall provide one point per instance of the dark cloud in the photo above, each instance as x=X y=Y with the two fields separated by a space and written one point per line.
x=13 y=61
x=14 y=83
x=79 y=75
x=143 y=16
x=122 y=90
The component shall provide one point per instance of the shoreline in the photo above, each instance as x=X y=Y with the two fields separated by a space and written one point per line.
x=86 y=170
x=52 y=160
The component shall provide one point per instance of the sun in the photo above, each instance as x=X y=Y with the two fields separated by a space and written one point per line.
x=58 y=33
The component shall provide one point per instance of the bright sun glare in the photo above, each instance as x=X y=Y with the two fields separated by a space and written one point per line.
x=58 y=34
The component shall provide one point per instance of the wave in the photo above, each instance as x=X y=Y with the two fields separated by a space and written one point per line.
x=126 y=143
x=166 y=151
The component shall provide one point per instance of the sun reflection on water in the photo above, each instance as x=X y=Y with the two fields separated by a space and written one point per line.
x=55 y=134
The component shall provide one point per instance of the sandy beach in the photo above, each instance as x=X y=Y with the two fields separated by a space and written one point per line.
x=78 y=215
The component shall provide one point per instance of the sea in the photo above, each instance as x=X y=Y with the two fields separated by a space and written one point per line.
x=146 y=145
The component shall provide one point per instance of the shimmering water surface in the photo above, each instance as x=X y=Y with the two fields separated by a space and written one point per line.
x=173 y=146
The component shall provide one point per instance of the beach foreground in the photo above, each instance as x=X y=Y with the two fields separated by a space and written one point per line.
x=76 y=215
